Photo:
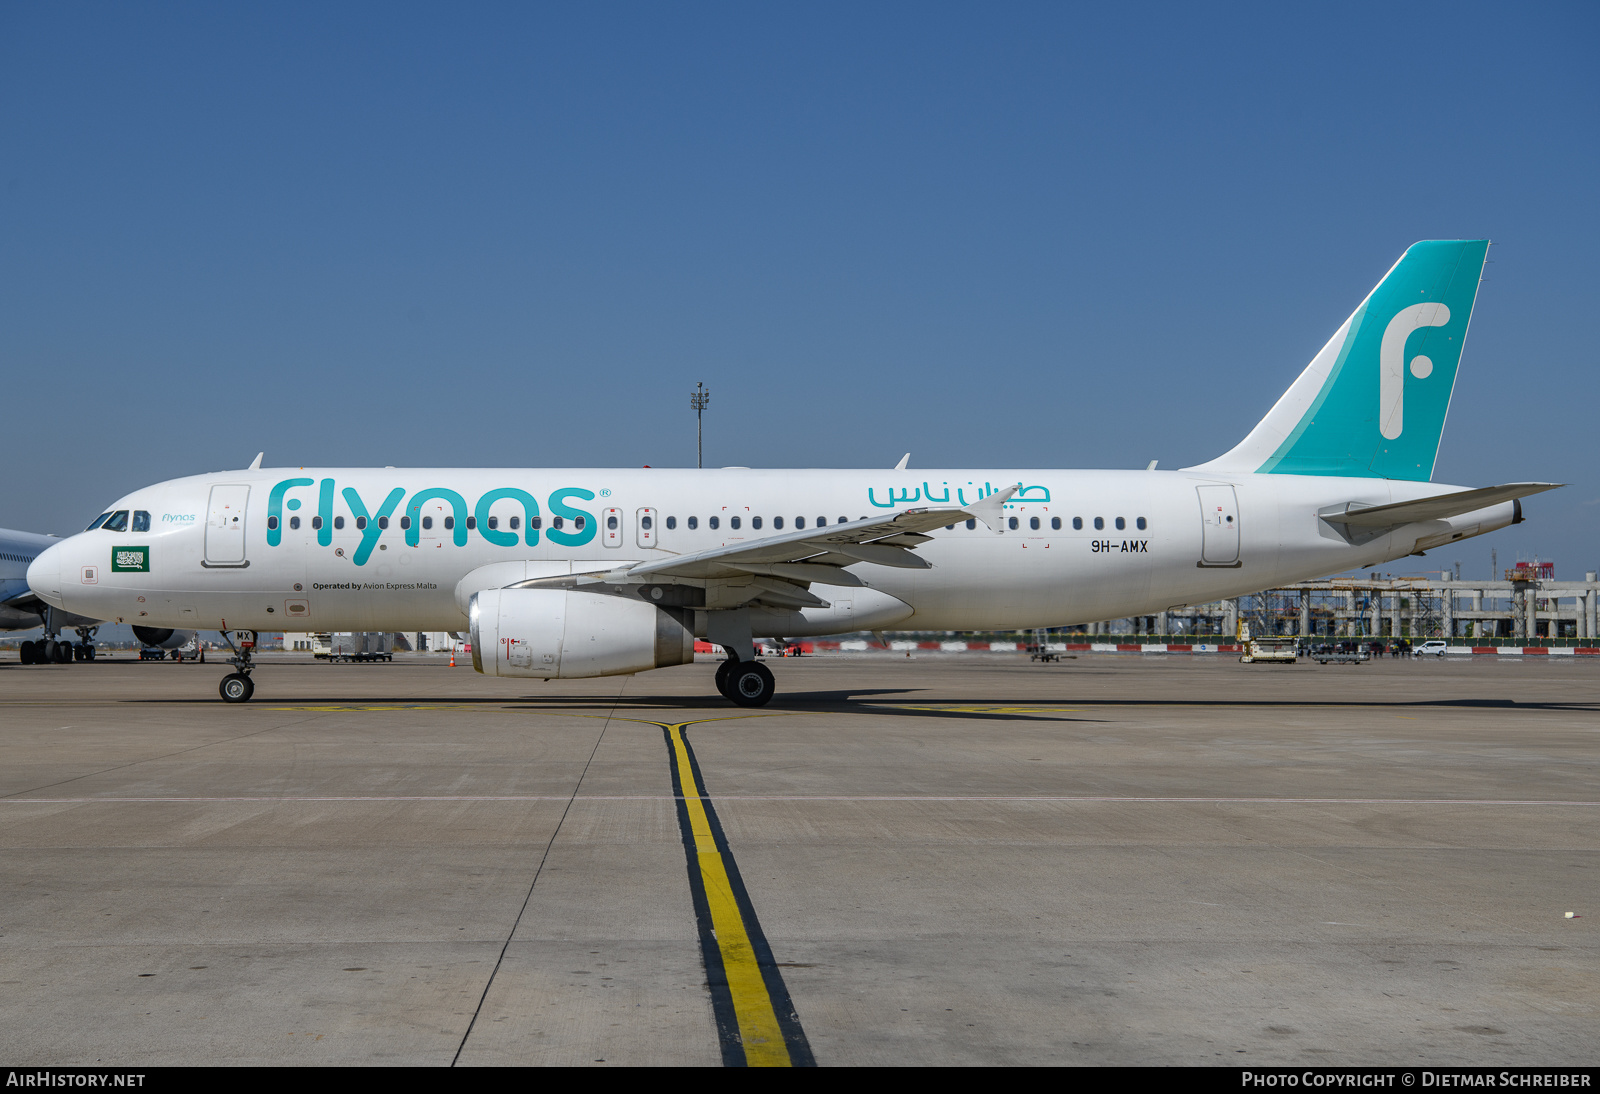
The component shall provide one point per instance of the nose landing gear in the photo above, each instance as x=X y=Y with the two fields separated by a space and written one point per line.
x=237 y=687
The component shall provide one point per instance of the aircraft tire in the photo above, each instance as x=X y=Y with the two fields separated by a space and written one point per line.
x=88 y=653
x=750 y=684
x=26 y=652
x=236 y=687
x=724 y=673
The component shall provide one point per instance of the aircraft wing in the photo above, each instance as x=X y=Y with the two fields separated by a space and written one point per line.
x=784 y=565
x=1439 y=507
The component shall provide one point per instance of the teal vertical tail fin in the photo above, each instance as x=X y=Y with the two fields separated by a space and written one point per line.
x=1373 y=402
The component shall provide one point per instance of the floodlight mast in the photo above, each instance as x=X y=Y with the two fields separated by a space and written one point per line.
x=699 y=399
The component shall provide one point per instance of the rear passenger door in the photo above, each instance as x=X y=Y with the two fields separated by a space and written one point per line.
x=1219 y=528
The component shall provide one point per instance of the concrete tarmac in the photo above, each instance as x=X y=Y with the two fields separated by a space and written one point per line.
x=956 y=859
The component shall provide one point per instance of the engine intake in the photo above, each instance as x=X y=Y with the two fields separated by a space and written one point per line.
x=567 y=634
x=162 y=637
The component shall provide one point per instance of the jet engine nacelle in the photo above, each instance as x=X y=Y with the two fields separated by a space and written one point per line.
x=162 y=637
x=563 y=633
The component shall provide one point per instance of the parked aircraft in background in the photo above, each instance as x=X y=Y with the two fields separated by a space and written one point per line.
x=583 y=573
x=22 y=610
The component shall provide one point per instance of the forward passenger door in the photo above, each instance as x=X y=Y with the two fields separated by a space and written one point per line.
x=225 y=526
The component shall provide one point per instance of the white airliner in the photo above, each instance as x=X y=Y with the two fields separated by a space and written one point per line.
x=590 y=572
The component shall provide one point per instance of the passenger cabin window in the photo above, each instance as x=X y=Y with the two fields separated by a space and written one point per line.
x=1099 y=523
x=1013 y=523
x=1033 y=522
x=1055 y=522
x=405 y=522
x=755 y=522
x=383 y=522
x=694 y=522
x=361 y=522
x=533 y=522
x=515 y=523
x=98 y=521
x=558 y=523
x=799 y=522
x=777 y=522
x=449 y=522
x=672 y=522
x=272 y=524
x=1139 y=524
x=472 y=522
x=971 y=524
x=294 y=522
x=338 y=522
x=427 y=522
x=118 y=521
x=577 y=522
x=842 y=520
x=712 y=522
x=733 y=523
x=316 y=522
x=141 y=521
x=494 y=522
x=1121 y=524
x=1077 y=523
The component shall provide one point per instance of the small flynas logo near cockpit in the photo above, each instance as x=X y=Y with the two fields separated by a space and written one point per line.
x=1392 y=366
x=178 y=518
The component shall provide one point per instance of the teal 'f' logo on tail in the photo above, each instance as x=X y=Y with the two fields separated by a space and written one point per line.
x=1373 y=402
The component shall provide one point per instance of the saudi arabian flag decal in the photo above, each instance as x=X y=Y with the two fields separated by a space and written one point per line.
x=130 y=560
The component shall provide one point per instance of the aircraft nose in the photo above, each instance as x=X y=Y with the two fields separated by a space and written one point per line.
x=44 y=575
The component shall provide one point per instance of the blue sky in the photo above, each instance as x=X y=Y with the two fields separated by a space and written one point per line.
x=994 y=235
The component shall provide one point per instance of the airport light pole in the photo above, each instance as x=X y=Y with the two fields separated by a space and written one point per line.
x=699 y=399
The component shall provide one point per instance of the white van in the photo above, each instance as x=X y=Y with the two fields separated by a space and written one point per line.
x=1434 y=646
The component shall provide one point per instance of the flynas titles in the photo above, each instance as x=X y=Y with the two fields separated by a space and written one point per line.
x=569 y=526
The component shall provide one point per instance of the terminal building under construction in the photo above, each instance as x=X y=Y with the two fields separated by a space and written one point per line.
x=1529 y=607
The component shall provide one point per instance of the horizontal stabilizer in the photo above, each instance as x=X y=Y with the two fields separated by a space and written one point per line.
x=1440 y=507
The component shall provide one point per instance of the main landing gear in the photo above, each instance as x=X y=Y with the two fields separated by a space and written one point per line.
x=237 y=687
x=747 y=683
x=50 y=650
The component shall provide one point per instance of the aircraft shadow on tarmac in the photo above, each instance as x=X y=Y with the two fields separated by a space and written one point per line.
x=878 y=701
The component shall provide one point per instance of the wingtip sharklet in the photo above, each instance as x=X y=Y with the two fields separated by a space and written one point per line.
x=989 y=509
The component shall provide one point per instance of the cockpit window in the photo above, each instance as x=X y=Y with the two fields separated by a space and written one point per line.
x=116 y=522
x=141 y=521
x=98 y=521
